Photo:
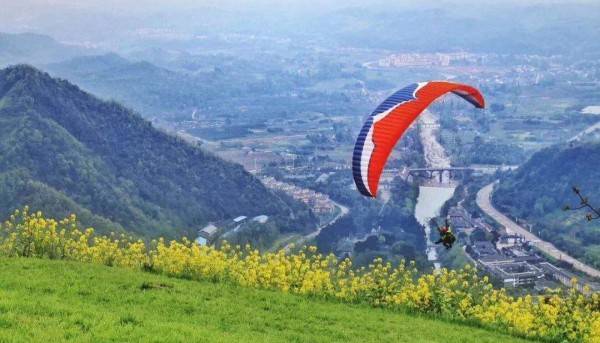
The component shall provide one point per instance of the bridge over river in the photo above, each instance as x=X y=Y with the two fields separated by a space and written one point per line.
x=442 y=174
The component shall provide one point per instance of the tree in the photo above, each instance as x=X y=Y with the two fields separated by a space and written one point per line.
x=584 y=203
x=478 y=235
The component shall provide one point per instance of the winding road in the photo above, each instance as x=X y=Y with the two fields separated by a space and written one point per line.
x=343 y=212
x=587 y=131
x=484 y=202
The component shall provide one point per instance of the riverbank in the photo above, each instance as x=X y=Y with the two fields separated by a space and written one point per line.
x=432 y=197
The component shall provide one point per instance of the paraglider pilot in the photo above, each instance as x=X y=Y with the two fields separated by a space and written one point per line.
x=446 y=236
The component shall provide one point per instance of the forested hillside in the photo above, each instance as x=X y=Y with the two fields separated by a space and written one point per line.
x=63 y=150
x=539 y=190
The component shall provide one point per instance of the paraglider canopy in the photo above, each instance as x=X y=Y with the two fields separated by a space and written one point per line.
x=386 y=125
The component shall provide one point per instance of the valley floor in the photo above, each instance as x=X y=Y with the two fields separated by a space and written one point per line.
x=51 y=301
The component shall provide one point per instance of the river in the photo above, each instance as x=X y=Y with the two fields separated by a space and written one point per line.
x=432 y=197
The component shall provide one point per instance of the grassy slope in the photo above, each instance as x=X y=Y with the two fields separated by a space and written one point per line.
x=49 y=301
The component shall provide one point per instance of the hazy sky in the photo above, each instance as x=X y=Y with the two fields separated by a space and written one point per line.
x=101 y=21
x=73 y=19
x=14 y=10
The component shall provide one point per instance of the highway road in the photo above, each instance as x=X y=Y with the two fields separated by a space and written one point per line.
x=484 y=202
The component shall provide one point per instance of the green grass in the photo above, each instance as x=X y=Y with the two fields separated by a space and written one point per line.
x=52 y=301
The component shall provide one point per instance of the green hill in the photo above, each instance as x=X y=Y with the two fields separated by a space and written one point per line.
x=92 y=303
x=64 y=151
x=539 y=190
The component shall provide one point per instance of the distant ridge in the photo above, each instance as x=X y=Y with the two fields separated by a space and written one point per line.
x=35 y=49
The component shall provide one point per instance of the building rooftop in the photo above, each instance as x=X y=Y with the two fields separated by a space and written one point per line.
x=209 y=229
x=484 y=248
x=261 y=219
x=517 y=268
x=480 y=223
x=239 y=219
x=497 y=258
